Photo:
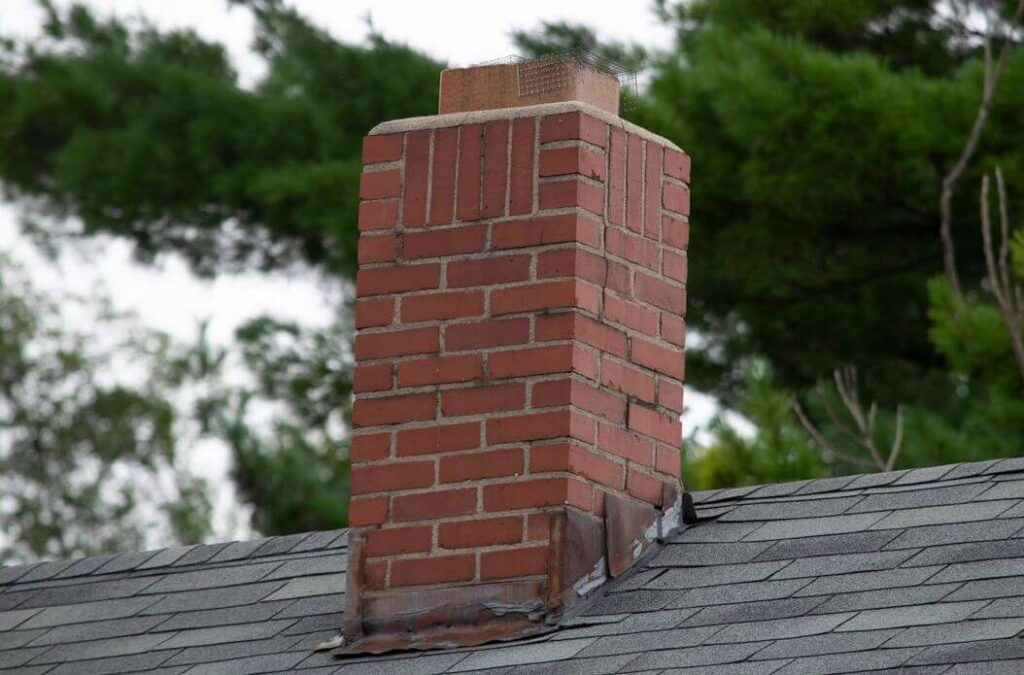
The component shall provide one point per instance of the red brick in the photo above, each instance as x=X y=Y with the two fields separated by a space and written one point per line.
x=652 y=206
x=377 y=249
x=495 y=168
x=367 y=511
x=639 y=250
x=440 y=370
x=470 y=137
x=573 y=126
x=433 y=570
x=577 y=460
x=572 y=160
x=438 y=438
x=589 y=230
x=439 y=243
x=620 y=278
x=478 y=533
x=653 y=424
x=529 y=427
x=630 y=314
x=375 y=575
x=555 y=327
x=620 y=377
x=551 y=393
x=532 y=361
x=398 y=279
x=675 y=266
x=529 y=297
x=399 y=540
x=442 y=176
x=522 y=174
x=476 y=400
x=433 y=505
x=443 y=305
x=617 y=177
x=373 y=313
x=573 y=192
x=598 y=402
x=553 y=229
x=417 y=158
x=668 y=459
x=483 y=334
x=661 y=294
x=488 y=271
x=662 y=359
x=397 y=343
x=378 y=215
x=635 y=184
x=584 y=362
x=677 y=165
x=676 y=198
x=537 y=526
x=673 y=329
x=370 y=447
x=571 y=262
x=376 y=377
x=526 y=494
x=624 y=443
x=644 y=486
x=479 y=465
x=391 y=476
x=600 y=336
x=371 y=412
x=675 y=232
x=519 y=562
x=380 y=184
x=670 y=395
x=380 y=149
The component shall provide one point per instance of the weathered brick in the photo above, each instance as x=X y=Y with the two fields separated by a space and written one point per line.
x=517 y=562
x=660 y=294
x=378 y=215
x=433 y=505
x=531 y=361
x=677 y=165
x=577 y=460
x=652 y=187
x=521 y=177
x=484 y=334
x=573 y=126
x=488 y=271
x=391 y=476
x=634 y=183
x=526 y=494
x=367 y=511
x=617 y=177
x=551 y=393
x=676 y=198
x=382 y=148
x=555 y=327
x=572 y=192
x=438 y=438
x=625 y=444
x=370 y=447
x=477 y=400
x=470 y=138
x=536 y=231
x=598 y=335
x=479 y=465
x=440 y=370
x=397 y=343
x=397 y=279
x=633 y=248
x=481 y=532
x=598 y=402
x=529 y=297
x=580 y=160
x=432 y=570
x=446 y=242
x=674 y=266
x=651 y=423
x=496 y=134
x=443 y=305
x=376 y=377
x=668 y=459
x=399 y=540
x=442 y=176
x=538 y=526
x=643 y=486
x=375 y=575
x=618 y=376
x=528 y=427
x=673 y=329
x=662 y=359
x=371 y=412
x=417 y=173
x=380 y=184
x=675 y=232
x=571 y=262
x=622 y=311
x=382 y=248
x=374 y=313
x=670 y=395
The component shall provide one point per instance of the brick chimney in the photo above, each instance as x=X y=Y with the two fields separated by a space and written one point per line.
x=519 y=357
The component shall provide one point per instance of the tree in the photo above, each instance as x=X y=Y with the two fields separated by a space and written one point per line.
x=89 y=462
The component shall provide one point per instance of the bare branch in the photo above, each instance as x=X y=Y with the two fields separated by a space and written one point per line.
x=897 y=440
x=827 y=449
x=1006 y=295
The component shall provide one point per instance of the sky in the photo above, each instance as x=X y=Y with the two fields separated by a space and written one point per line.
x=166 y=296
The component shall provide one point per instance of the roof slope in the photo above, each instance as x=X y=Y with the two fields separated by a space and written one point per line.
x=918 y=572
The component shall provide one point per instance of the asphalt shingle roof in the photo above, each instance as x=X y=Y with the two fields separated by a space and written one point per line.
x=914 y=571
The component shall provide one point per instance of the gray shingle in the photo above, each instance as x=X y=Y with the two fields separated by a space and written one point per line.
x=332 y=563
x=629 y=623
x=712 y=576
x=953 y=553
x=248 y=666
x=982 y=569
x=233 y=650
x=934 y=496
x=237 y=550
x=90 y=611
x=166 y=557
x=826 y=485
x=84 y=566
x=634 y=601
x=199 y=554
x=220 y=634
x=753 y=611
x=601 y=665
x=214 y=598
x=843 y=564
x=92 y=591
x=708 y=553
x=303 y=587
x=215 y=577
x=813 y=527
x=126 y=562
x=97 y=649
x=829 y=544
x=964 y=631
x=280 y=545
x=831 y=643
x=926 y=475
x=642 y=642
x=985 y=668
x=13 y=658
x=47 y=570
x=12 y=639
x=990 y=650
x=989 y=588
x=512 y=655
x=694 y=656
x=316 y=541
x=914 y=615
x=743 y=668
x=11 y=599
x=261 y=611
x=870 y=480
x=886 y=597
x=114 y=665
x=868 y=581
x=958 y=533
x=1012 y=489
x=937 y=515
x=1012 y=464
x=780 y=489
x=787 y=510
x=853 y=662
x=14 y=618
x=96 y=630
x=1001 y=609
x=318 y=604
x=779 y=629
x=707 y=532
x=749 y=592
x=8 y=575
x=970 y=469
x=424 y=664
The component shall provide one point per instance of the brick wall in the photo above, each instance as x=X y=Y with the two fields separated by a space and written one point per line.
x=520 y=309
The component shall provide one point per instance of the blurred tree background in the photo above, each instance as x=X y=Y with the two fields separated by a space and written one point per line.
x=821 y=132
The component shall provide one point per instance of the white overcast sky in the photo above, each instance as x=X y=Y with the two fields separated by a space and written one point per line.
x=166 y=296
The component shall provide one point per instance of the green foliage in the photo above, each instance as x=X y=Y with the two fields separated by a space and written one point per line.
x=778 y=451
x=88 y=463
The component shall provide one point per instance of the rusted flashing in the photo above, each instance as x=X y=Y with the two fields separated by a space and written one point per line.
x=497 y=629
x=627 y=523
x=354 y=578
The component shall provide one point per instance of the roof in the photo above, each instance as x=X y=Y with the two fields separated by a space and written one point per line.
x=921 y=570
